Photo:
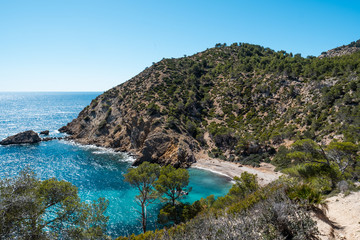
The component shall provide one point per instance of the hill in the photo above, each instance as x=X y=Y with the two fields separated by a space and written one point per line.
x=238 y=103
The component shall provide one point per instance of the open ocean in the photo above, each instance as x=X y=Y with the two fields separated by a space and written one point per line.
x=97 y=172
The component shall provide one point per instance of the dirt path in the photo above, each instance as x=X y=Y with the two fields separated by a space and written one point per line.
x=265 y=172
x=344 y=215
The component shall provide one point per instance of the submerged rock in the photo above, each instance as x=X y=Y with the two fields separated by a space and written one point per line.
x=46 y=139
x=23 y=137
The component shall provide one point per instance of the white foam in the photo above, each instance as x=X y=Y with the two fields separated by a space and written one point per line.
x=100 y=150
x=60 y=112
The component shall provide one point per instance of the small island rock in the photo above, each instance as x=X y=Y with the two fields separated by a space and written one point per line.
x=23 y=137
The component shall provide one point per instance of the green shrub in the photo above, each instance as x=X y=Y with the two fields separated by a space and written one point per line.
x=102 y=124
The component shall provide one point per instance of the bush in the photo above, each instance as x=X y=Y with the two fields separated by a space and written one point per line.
x=102 y=124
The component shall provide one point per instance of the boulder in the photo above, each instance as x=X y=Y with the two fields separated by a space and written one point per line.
x=154 y=147
x=46 y=132
x=23 y=137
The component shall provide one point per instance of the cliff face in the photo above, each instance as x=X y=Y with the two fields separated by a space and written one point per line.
x=237 y=102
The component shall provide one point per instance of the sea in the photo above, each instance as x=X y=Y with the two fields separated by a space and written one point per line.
x=96 y=172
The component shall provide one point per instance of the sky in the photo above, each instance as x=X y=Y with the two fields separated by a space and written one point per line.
x=94 y=45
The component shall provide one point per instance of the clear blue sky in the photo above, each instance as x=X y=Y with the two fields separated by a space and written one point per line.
x=88 y=45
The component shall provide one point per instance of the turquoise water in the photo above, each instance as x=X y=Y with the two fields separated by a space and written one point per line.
x=97 y=172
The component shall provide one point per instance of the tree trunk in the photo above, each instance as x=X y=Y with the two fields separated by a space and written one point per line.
x=143 y=215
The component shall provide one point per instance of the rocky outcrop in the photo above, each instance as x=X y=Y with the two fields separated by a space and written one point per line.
x=21 y=138
x=166 y=150
x=145 y=138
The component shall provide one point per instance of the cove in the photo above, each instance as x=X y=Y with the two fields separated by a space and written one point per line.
x=97 y=172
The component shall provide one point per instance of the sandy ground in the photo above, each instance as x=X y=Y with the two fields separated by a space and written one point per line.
x=265 y=173
x=342 y=220
x=344 y=216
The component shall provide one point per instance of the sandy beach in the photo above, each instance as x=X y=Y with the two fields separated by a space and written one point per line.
x=265 y=173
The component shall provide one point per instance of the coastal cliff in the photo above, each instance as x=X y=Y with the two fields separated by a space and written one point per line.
x=236 y=103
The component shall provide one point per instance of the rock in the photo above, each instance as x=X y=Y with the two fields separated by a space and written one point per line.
x=252 y=148
x=343 y=186
x=185 y=156
x=163 y=149
x=63 y=129
x=154 y=147
x=23 y=137
x=46 y=139
x=46 y=132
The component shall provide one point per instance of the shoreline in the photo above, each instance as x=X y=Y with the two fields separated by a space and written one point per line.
x=265 y=173
x=213 y=171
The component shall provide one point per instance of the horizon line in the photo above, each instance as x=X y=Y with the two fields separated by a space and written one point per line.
x=51 y=91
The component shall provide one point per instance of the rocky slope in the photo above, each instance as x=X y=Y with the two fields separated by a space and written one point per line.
x=237 y=102
x=114 y=120
x=343 y=50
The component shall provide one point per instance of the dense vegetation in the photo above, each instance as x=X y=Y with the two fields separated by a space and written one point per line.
x=329 y=169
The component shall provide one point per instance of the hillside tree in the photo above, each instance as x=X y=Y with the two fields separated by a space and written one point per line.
x=143 y=179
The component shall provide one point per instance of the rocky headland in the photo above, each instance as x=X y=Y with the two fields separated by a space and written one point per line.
x=238 y=103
